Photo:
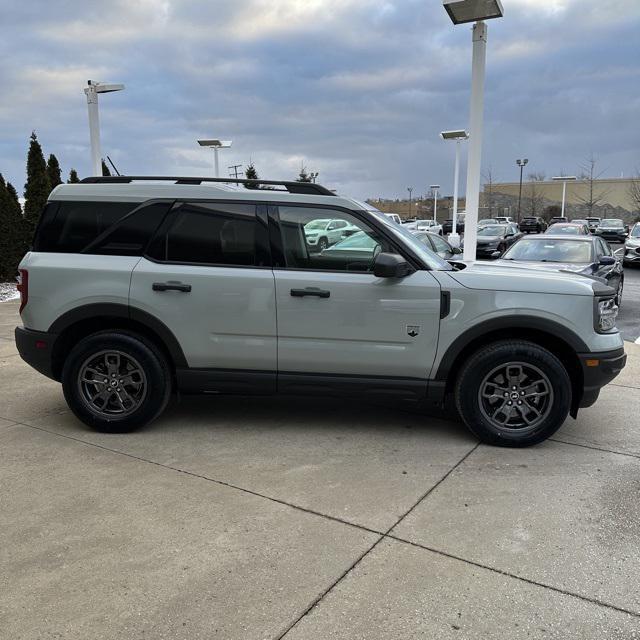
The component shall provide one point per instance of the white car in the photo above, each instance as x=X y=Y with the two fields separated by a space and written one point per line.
x=136 y=289
x=424 y=225
x=394 y=217
x=632 y=246
x=323 y=232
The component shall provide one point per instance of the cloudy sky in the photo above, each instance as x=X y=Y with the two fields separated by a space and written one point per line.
x=355 y=89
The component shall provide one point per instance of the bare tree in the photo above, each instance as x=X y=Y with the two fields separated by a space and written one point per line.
x=634 y=192
x=488 y=191
x=595 y=196
x=535 y=197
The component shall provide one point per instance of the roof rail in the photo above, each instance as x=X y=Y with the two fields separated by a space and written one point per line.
x=309 y=188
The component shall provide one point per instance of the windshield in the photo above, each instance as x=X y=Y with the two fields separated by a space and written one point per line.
x=564 y=229
x=635 y=232
x=539 y=250
x=611 y=222
x=492 y=230
x=316 y=224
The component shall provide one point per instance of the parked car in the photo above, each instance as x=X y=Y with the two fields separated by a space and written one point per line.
x=533 y=224
x=493 y=240
x=558 y=219
x=613 y=230
x=439 y=245
x=394 y=217
x=583 y=221
x=568 y=228
x=504 y=220
x=424 y=225
x=586 y=254
x=485 y=221
x=447 y=226
x=323 y=232
x=135 y=290
x=632 y=246
x=593 y=223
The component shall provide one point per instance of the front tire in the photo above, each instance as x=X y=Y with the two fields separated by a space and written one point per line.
x=513 y=393
x=115 y=381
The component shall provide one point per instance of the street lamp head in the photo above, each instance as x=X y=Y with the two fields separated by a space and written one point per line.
x=461 y=11
x=564 y=178
x=220 y=144
x=522 y=163
x=103 y=87
x=434 y=186
x=459 y=134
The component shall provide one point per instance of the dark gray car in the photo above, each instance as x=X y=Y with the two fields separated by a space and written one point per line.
x=588 y=255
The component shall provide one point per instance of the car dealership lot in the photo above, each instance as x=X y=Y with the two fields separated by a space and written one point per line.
x=264 y=518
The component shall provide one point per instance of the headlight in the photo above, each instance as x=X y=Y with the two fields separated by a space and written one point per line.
x=607 y=313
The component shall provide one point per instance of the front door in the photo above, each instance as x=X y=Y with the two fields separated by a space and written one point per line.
x=336 y=318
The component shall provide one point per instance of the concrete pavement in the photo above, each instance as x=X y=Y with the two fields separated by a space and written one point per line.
x=271 y=518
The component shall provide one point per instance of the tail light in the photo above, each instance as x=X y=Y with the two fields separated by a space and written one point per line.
x=23 y=288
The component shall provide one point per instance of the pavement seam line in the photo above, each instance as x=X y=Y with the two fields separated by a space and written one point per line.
x=383 y=536
x=596 y=448
x=507 y=574
x=623 y=386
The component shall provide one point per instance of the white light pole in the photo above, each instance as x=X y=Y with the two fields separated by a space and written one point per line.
x=460 y=12
x=92 y=90
x=434 y=188
x=215 y=145
x=564 y=180
x=457 y=136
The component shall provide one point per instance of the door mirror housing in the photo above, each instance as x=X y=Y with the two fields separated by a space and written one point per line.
x=456 y=251
x=607 y=260
x=391 y=265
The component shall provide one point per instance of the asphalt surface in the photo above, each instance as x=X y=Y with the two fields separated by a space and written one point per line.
x=629 y=316
x=271 y=518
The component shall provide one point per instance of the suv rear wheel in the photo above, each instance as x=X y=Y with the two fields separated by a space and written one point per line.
x=513 y=393
x=115 y=381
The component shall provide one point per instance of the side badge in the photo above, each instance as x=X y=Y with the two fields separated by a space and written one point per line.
x=413 y=331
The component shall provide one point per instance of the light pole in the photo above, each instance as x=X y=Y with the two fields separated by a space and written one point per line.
x=564 y=180
x=215 y=145
x=410 y=190
x=434 y=188
x=457 y=136
x=522 y=164
x=92 y=90
x=460 y=12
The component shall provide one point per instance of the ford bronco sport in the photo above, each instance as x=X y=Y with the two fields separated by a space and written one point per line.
x=137 y=287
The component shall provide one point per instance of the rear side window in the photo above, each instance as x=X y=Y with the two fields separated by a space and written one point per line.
x=208 y=233
x=69 y=227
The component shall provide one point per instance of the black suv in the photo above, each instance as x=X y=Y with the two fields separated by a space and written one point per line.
x=533 y=225
x=447 y=226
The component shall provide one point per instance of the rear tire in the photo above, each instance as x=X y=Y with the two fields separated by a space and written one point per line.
x=513 y=393
x=115 y=381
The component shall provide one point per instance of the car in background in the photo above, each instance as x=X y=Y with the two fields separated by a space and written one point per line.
x=587 y=255
x=447 y=226
x=613 y=230
x=632 y=246
x=533 y=224
x=324 y=232
x=424 y=225
x=583 y=221
x=485 y=221
x=593 y=223
x=568 y=228
x=395 y=217
x=557 y=219
x=439 y=245
x=493 y=240
x=504 y=220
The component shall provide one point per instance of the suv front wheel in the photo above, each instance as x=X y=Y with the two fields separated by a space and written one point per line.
x=115 y=381
x=513 y=393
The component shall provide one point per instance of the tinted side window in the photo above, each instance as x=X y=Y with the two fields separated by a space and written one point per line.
x=208 y=233
x=130 y=236
x=76 y=224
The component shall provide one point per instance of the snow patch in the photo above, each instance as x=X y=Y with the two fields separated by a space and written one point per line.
x=8 y=291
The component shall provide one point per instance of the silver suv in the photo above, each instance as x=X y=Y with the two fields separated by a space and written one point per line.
x=139 y=287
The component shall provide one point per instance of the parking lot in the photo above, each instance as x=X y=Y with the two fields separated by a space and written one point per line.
x=270 y=518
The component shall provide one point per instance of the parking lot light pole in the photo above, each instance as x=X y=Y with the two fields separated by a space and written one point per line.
x=216 y=145
x=434 y=188
x=461 y=12
x=522 y=164
x=564 y=180
x=92 y=90
x=457 y=136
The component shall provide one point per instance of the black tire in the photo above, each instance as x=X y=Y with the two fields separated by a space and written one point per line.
x=140 y=368
x=323 y=243
x=476 y=405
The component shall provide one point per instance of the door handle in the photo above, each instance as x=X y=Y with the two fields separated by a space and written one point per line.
x=310 y=291
x=171 y=286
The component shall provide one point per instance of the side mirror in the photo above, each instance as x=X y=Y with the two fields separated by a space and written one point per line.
x=607 y=260
x=456 y=251
x=391 y=265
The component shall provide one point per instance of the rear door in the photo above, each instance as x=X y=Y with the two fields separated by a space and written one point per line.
x=206 y=275
x=335 y=317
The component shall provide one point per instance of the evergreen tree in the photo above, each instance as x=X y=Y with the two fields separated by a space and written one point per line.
x=105 y=169
x=73 y=177
x=304 y=176
x=13 y=237
x=4 y=231
x=251 y=173
x=37 y=188
x=53 y=171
